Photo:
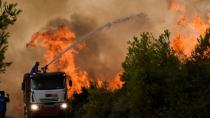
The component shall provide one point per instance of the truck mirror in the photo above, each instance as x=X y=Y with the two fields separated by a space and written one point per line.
x=23 y=86
x=70 y=83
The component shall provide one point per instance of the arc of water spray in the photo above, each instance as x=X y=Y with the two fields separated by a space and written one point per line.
x=99 y=29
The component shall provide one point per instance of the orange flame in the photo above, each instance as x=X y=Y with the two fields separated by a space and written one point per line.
x=111 y=85
x=186 y=40
x=209 y=19
x=56 y=40
x=116 y=83
x=186 y=31
x=99 y=84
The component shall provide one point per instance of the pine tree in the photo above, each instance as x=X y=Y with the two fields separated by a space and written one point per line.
x=8 y=16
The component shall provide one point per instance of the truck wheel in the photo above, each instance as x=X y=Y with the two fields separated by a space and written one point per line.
x=65 y=115
x=25 y=112
x=28 y=114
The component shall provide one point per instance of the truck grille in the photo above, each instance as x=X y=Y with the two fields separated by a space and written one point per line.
x=49 y=100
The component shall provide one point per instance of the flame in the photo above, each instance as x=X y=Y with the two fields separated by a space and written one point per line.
x=184 y=40
x=188 y=40
x=111 y=85
x=209 y=19
x=56 y=40
x=186 y=30
x=115 y=83
x=99 y=84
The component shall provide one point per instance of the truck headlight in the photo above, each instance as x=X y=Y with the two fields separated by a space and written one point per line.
x=64 y=105
x=34 y=107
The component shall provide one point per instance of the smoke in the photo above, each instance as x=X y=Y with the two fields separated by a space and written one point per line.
x=104 y=52
x=100 y=58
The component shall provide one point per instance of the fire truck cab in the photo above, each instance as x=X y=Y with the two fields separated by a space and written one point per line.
x=45 y=94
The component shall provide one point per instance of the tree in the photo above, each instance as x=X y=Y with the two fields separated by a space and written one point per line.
x=8 y=17
x=99 y=103
x=149 y=66
x=157 y=83
x=194 y=98
x=160 y=86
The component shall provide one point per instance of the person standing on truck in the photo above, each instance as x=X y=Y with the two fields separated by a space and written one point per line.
x=3 y=104
x=35 y=68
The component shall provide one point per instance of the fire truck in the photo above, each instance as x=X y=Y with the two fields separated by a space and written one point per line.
x=45 y=94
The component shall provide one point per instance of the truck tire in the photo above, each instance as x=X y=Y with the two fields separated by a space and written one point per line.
x=27 y=113
x=65 y=115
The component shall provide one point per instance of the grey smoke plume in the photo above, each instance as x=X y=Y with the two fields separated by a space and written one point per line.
x=96 y=55
x=83 y=16
x=88 y=35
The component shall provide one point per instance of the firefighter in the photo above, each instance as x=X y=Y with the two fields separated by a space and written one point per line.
x=3 y=104
x=35 y=68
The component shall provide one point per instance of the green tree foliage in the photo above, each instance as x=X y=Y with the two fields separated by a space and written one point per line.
x=77 y=103
x=8 y=15
x=149 y=66
x=194 y=92
x=99 y=103
x=157 y=83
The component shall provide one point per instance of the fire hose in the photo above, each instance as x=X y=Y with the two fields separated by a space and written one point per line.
x=99 y=29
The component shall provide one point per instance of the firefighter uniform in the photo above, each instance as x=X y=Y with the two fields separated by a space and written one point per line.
x=3 y=105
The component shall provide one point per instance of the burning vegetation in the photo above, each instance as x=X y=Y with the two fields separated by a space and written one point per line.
x=186 y=29
x=161 y=74
x=56 y=40
x=171 y=80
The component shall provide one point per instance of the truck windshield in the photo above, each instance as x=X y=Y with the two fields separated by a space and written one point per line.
x=47 y=83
